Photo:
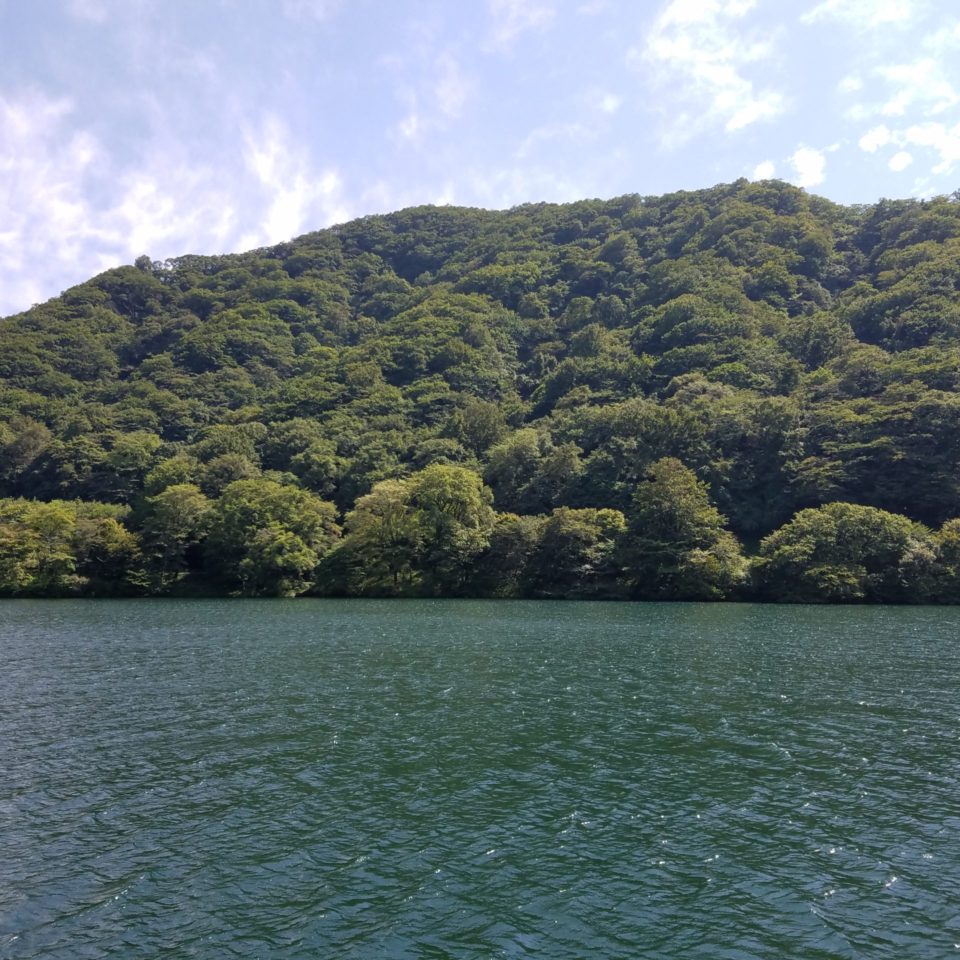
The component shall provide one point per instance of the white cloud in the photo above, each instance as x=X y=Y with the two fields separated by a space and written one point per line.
x=609 y=103
x=764 y=171
x=919 y=84
x=864 y=14
x=44 y=168
x=944 y=141
x=926 y=86
x=900 y=161
x=571 y=132
x=876 y=138
x=513 y=17
x=850 y=84
x=592 y=7
x=930 y=136
x=446 y=196
x=524 y=183
x=451 y=89
x=699 y=52
x=809 y=167
x=411 y=125
x=433 y=102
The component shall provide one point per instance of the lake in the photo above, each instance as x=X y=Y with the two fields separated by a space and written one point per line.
x=444 y=779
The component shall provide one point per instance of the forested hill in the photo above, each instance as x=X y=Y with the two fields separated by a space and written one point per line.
x=745 y=391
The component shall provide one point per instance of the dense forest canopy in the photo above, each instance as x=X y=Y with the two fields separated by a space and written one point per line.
x=745 y=391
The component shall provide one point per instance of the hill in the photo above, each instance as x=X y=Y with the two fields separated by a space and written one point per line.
x=604 y=398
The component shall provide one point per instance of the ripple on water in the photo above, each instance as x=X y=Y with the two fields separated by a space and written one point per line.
x=431 y=779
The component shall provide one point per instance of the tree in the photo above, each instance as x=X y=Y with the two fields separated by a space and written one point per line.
x=453 y=512
x=844 y=553
x=419 y=536
x=502 y=569
x=107 y=555
x=36 y=548
x=174 y=524
x=946 y=583
x=529 y=474
x=478 y=424
x=379 y=551
x=267 y=539
x=576 y=554
x=676 y=547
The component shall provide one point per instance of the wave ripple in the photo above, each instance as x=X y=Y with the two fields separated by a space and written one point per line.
x=457 y=779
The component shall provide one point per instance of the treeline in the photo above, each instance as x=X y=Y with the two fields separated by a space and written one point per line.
x=162 y=424
x=436 y=534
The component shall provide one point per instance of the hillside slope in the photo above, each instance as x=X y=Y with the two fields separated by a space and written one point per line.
x=593 y=399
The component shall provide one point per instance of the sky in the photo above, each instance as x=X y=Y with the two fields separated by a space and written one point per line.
x=165 y=127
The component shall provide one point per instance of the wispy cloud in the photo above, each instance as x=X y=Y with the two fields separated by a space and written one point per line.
x=510 y=18
x=43 y=210
x=451 y=88
x=573 y=132
x=921 y=84
x=865 y=14
x=433 y=100
x=900 y=161
x=875 y=138
x=608 y=103
x=914 y=97
x=69 y=210
x=941 y=140
x=851 y=83
x=506 y=186
x=700 y=55
x=293 y=195
x=883 y=81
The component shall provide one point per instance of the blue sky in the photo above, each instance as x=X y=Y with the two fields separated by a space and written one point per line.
x=164 y=127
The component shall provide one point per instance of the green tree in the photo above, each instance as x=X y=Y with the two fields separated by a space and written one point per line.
x=174 y=524
x=504 y=567
x=378 y=554
x=267 y=539
x=676 y=547
x=576 y=554
x=421 y=535
x=453 y=512
x=846 y=553
x=108 y=557
x=36 y=548
x=167 y=473
x=478 y=424
x=946 y=581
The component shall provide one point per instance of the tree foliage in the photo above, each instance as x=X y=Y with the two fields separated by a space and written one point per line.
x=554 y=400
x=843 y=552
x=677 y=547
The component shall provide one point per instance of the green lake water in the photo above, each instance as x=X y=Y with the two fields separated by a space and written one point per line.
x=419 y=779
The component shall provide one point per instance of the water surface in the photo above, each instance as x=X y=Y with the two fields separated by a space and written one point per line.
x=478 y=780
